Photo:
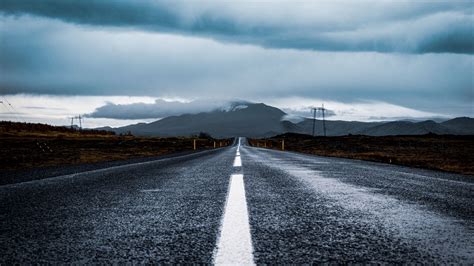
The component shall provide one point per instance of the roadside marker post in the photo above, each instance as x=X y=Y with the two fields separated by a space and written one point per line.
x=283 y=145
x=194 y=144
x=214 y=144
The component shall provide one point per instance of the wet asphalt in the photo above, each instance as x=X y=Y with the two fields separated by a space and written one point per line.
x=166 y=211
x=302 y=209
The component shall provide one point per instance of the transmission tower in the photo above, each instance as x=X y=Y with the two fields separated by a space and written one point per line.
x=79 y=117
x=322 y=110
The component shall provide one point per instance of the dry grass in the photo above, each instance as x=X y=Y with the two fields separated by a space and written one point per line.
x=446 y=153
x=32 y=148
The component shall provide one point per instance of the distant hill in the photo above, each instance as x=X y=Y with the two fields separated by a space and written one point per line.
x=460 y=125
x=333 y=128
x=260 y=120
x=252 y=120
x=406 y=128
x=22 y=128
x=456 y=126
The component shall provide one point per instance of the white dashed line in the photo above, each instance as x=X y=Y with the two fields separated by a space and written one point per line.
x=237 y=162
x=234 y=246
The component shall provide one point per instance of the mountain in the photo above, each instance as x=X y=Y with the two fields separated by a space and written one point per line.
x=456 y=126
x=406 y=128
x=333 y=127
x=460 y=125
x=260 y=120
x=248 y=119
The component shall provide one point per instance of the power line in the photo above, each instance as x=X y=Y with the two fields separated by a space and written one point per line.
x=7 y=110
x=10 y=108
x=5 y=105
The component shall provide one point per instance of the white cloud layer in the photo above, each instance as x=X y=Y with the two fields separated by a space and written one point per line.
x=352 y=111
x=57 y=110
x=117 y=111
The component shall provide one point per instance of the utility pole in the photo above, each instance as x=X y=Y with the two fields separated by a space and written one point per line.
x=314 y=119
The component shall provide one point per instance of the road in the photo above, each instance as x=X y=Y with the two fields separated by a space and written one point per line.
x=240 y=205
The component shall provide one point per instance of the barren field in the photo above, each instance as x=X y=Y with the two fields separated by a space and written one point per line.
x=438 y=152
x=26 y=146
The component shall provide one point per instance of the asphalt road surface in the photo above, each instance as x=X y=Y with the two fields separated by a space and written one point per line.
x=240 y=205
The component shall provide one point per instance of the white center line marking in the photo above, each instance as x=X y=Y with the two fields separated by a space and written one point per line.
x=237 y=162
x=234 y=245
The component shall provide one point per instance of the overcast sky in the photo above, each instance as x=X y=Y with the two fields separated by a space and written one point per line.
x=120 y=62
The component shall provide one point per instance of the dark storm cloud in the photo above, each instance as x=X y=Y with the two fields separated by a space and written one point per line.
x=46 y=56
x=401 y=52
x=408 y=27
x=161 y=108
x=95 y=12
x=158 y=109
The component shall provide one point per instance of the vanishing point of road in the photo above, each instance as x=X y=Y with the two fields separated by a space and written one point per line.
x=240 y=205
